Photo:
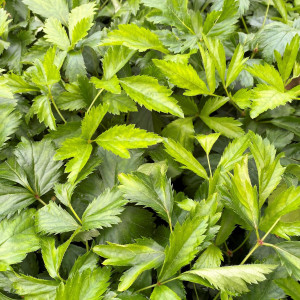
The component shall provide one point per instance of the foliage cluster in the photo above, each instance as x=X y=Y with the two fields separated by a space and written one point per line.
x=149 y=149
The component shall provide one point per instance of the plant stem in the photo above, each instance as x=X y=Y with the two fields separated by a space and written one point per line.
x=94 y=100
x=146 y=288
x=242 y=244
x=40 y=200
x=87 y=246
x=271 y=228
x=217 y=296
x=266 y=14
x=54 y=104
x=250 y=253
x=74 y=213
x=245 y=25
x=209 y=165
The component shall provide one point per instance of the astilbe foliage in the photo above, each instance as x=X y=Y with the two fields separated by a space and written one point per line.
x=149 y=149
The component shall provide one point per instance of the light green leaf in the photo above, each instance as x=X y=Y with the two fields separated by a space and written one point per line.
x=185 y=157
x=112 y=85
x=207 y=141
x=104 y=210
x=42 y=108
x=146 y=90
x=227 y=225
x=92 y=120
x=115 y=58
x=212 y=104
x=4 y=21
x=18 y=237
x=184 y=242
x=86 y=285
x=289 y=253
x=268 y=74
x=286 y=63
x=134 y=37
x=34 y=288
x=120 y=138
x=281 y=7
x=210 y=258
x=236 y=65
x=209 y=67
x=268 y=166
x=182 y=131
x=229 y=127
x=266 y=97
x=241 y=197
x=232 y=278
x=217 y=53
x=182 y=75
x=18 y=84
x=233 y=153
x=56 y=34
x=80 y=21
x=162 y=292
x=152 y=189
x=49 y=8
x=144 y=255
x=79 y=150
x=118 y=103
x=285 y=202
x=54 y=219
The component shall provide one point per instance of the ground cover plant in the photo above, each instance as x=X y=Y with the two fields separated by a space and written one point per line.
x=149 y=149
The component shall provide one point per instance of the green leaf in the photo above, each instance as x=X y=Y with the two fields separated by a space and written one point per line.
x=266 y=97
x=11 y=120
x=229 y=127
x=86 y=285
x=152 y=189
x=268 y=74
x=120 y=138
x=212 y=104
x=53 y=256
x=162 y=292
x=49 y=8
x=210 y=258
x=285 y=202
x=56 y=34
x=281 y=7
x=185 y=157
x=182 y=75
x=115 y=58
x=42 y=108
x=231 y=278
x=290 y=286
x=80 y=21
x=182 y=131
x=268 y=166
x=233 y=153
x=290 y=256
x=236 y=65
x=104 y=210
x=241 y=197
x=217 y=53
x=18 y=84
x=207 y=141
x=74 y=65
x=144 y=255
x=92 y=120
x=18 y=237
x=33 y=167
x=112 y=85
x=134 y=37
x=35 y=288
x=118 y=103
x=54 y=219
x=184 y=243
x=286 y=63
x=79 y=150
x=146 y=91
x=209 y=67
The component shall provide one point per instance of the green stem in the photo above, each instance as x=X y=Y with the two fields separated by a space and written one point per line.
x=250 y=253
x=105 y=2
x=245 y=25
x=204 y=6
x=146 y=288
x=266 y=14
x=209 y=165
x=74 y=213
x=231 y=101
x=94 y=100
x=242 y=244
x=40 y=200
x=196 y=291
x=87 y=246
x=54 y=104
x=271 y=228
x=217 y=296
